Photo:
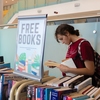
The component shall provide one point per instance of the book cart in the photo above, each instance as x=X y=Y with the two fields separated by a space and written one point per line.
x=84 y=89
x=29 y=55
x=3 y=65
x=17 y=92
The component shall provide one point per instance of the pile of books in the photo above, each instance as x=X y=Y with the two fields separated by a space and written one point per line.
x=65 y=88
x=4 y=70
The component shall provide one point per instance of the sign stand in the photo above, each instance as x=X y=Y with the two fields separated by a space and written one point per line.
x=30 y=46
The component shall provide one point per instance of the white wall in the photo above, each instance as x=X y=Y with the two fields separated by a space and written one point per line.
x=63 y=9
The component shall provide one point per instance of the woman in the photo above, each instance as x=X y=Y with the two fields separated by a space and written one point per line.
x=66 y=34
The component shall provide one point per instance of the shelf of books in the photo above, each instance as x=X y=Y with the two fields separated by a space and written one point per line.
x=14 y=87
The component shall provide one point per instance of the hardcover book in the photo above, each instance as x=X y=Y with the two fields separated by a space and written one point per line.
x=38 y=92
x=31 y=91
x=48 y=92
x=67 y=83
x=56 y=94
x=76 y=82
x=97 y=92
x=60 y=82
x=89 y=90
x=84 y=84
x=91 y=93
x=85 y=89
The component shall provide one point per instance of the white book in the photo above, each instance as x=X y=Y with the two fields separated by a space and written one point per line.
x=84 y=84
x=66 y=84
x=70 y=63
x=85 y=89
x=61 y=81
x=96 y=93
x=91 y=93
x=89 y=90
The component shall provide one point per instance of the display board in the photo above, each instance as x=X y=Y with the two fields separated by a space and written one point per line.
x=30 y=46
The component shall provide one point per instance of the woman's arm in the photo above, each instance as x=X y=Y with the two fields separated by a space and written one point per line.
x=89 y=70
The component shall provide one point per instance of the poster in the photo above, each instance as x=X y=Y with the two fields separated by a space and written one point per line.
x=30 y=46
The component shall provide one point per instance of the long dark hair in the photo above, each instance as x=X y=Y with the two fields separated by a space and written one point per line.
x=63 y=28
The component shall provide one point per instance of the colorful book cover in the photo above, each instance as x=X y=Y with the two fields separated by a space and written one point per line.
x=42 y=92
x=38 y=91
x=56 y=94
x=48 y=91
x=31 y=91
x=29 y=96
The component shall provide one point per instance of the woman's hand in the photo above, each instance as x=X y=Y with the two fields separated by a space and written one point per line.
x=63 y=68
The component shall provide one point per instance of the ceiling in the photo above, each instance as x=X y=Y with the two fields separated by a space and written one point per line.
x=9 y=2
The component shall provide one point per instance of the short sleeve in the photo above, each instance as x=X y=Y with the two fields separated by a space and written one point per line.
x=87 y=51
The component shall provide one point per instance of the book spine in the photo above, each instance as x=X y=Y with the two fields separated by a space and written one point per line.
x=96 y=93
x=66 y=84
x=47 y=94
x=84 y=84
x=42 y=93
x=92 y=92
x=86 y=89
x=9 y=86
x=38 y=94
x=85 y=93
x=1 y=85
x=28 y=93
x=61 y=81
x=54 y=95
x=33 y=90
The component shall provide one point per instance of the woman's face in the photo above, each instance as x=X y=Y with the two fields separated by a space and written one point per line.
x=64 y=39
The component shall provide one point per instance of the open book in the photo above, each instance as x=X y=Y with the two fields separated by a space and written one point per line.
x=68 y=62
